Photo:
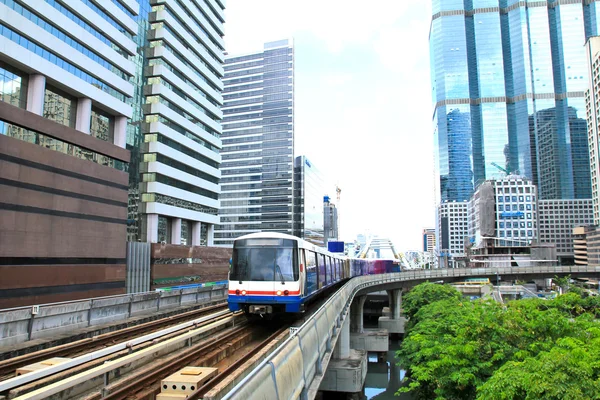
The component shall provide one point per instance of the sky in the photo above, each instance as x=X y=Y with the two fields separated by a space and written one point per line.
x=363 y=103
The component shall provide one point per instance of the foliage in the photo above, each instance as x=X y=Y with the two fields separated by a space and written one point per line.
x=427 y=293
x=527 y=349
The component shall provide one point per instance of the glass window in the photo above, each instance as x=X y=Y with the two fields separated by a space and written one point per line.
x=529 y=233
x=514 y=198
x=500 y=207
x=528 y=207
x=500 y=199
x=501 y=224
x=527 y=198
x=520 y=198
x=186 y=232
x=164 y=229
x=59 y=106
x=264 y=262
x=101 y=125
x=13 y=86
x=506 y=198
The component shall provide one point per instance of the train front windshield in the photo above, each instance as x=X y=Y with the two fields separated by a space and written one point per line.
x=264 y=260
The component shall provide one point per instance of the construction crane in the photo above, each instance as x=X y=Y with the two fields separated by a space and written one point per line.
x=500 y=168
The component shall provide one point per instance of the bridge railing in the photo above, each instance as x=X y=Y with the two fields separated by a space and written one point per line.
x=296 y=367
x=34 y=322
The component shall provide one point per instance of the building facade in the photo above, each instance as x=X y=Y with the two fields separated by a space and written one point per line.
x=557 y=218
x=508 y=81
x=309 y=188
x=66 y=86
x=504 y=213
x=176 y=122
x=451 y=231
x=258 y=143
x=429 y=240
x=592 y=98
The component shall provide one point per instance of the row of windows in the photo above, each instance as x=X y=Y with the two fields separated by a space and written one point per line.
x=60 y=62
x=154 y=157
x=167 y=180
x=520 y=207
x=172 y=201
x=100 y=36
x=48 y=27
x=197 y=29
x=60 y=146
x=180 y=75
x=108 y=18
x=189 y=100
x=156 y=137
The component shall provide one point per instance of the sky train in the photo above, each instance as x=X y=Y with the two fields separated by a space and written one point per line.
x=275 y=273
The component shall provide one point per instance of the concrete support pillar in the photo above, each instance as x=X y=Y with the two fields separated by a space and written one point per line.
x=356 y=314
x=342 y=347
x=210 y=235
x=397 y=307
x=120 y=131
x=196 y=230
x=176 y=231
x=84 y=115
x=36 y=89
x=152 y=228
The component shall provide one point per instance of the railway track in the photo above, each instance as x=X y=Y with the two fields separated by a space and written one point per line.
x=9 y=366
x=37 y=380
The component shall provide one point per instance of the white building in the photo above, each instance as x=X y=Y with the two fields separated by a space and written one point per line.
x=592 y=100
x=505 y=212
x=181 y=126
x=451 y=232
x=258 y=143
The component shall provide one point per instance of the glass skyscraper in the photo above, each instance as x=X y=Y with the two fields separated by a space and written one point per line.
x=508 y=81
x=258 y=143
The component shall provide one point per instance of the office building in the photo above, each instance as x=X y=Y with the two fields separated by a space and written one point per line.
x=592 y=98
x=66 y=85
x=504 y=213
x=176 y=122
x=258 y=143
x=429 y=240
x=309 y=188
x=331 y=222
x=452 y=231
x=557 y=218
x=508 y=81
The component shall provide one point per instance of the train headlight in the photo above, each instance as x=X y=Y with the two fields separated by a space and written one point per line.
x=279 y=293
x=237 y=291
x=243 y=292
x=286 y=292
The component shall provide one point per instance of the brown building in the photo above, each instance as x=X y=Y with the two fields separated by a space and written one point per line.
x=63 y=164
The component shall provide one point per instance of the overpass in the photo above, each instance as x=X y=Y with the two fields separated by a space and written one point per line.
x=318 y=354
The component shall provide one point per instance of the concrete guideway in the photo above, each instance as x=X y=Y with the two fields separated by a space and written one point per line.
x=32 y=376
x=298 y=367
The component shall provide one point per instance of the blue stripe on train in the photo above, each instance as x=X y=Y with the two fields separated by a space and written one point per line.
x=292 y=303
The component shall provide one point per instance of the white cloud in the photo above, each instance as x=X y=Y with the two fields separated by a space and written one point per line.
x=363 y=105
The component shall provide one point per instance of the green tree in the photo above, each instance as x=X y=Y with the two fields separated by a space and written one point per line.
x=569 y=371
x=456 y=346
x=424 y=294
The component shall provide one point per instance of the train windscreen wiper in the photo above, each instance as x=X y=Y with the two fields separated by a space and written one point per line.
x=280 y=273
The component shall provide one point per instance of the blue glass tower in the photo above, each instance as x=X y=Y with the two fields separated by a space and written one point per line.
x=508 y=80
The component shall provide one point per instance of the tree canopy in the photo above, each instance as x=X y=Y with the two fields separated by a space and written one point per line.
x=526 y=349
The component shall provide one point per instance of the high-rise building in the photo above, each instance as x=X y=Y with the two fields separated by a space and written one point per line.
x=176 y=121
x=429 y=240
x=508 y=80
x=309 y=188
x=557 y=218
x=592 y=97
x=451 y=231
x=258 y=143
x=504 y=213
x=66 y=85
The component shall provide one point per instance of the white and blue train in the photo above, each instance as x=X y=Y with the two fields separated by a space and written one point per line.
x=275 y=273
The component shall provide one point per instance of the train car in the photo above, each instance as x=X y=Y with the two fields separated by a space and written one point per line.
x=277 y=273
x=366 y=266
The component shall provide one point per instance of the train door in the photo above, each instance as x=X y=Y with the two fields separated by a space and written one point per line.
x=311 y=273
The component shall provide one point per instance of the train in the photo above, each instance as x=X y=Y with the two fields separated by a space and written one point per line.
x=273 y=273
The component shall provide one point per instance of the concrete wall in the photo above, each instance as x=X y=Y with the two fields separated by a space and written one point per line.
x=21 y=324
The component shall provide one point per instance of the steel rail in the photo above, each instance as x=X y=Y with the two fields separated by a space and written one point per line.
x=171 y=366
x=42 y=373
x=202 y=390
x=108 y=366
x=10 y=365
